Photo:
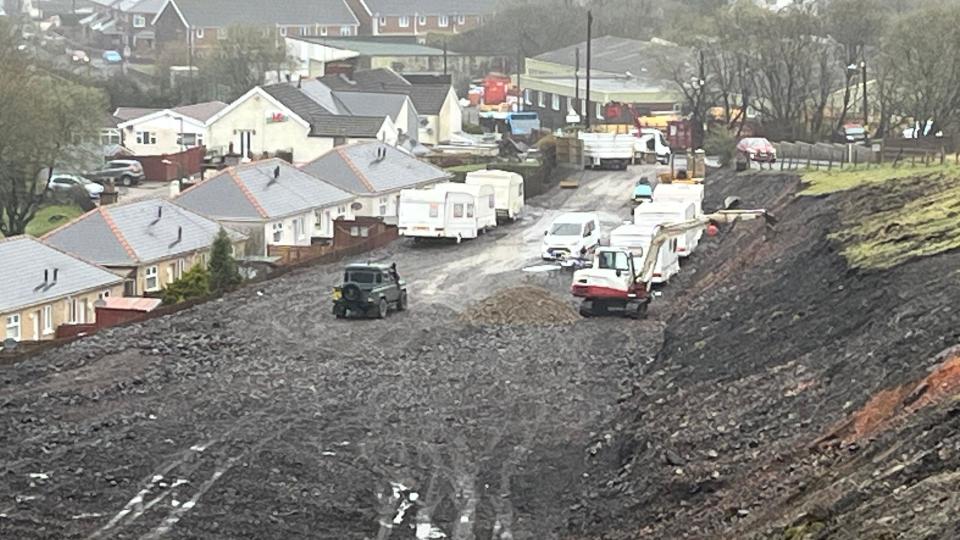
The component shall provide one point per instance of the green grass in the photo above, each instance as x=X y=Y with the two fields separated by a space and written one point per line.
x=467 y=168
x=906 y=220
x=826 y=182
x=50 y=217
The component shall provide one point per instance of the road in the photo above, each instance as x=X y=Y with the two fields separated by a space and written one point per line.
x=260 y=415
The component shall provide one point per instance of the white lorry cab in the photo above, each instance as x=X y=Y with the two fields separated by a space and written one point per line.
x=666 y=212
x=572 y=234
x=651 y=141
x=637 y=239
x=507 y=188
x=446 y=210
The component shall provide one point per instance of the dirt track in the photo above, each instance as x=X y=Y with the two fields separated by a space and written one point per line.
x=261 y=415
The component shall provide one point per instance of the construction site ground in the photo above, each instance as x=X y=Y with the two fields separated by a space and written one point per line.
x=775 y=391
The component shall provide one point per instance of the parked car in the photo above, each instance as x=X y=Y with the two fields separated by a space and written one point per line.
x=79 y=57
x=573 y=234
x=111 y=57
x=66 y=182
x=369 y=290
x=757 y=149
x=126 y=172
x=642 y=191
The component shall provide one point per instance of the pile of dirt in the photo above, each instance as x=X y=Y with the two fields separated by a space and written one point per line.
x=521 y=305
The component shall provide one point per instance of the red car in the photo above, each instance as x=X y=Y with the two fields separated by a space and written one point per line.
x=756 y=149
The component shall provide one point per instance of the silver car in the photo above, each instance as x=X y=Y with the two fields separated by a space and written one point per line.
x=65 y=182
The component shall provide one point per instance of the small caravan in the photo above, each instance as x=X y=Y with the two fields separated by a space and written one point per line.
x=692 y=193
x=666 y=212
x=447 y=210
x=507 y=188
x=637 y=239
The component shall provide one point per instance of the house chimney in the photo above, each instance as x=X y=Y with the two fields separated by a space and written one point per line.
x=55 y=272
x=179 y=234
x=46 y=276
x=300 y=81
x=276 y=173
x=159 y=212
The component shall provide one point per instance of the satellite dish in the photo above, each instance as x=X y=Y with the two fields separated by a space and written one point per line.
x=356 y=206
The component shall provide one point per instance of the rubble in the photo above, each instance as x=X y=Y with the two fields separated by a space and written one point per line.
x=521 y=305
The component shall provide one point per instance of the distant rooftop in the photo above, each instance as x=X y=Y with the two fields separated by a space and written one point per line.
x=621 y=55
x=375 y=47
x=430 y=7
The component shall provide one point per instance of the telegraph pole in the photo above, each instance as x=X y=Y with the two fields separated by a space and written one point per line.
x=589 y=51
x=576 y=80
x=863 y=75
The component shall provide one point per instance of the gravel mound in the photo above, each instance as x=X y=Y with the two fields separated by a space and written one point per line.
x=521 y=305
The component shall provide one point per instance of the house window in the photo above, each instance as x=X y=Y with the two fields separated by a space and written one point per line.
x=383 y=206
x=103 y=295
x=278 y=231
x=599 y=109
x=151 y=283
x=555 y=102
x=146 y=137
x=190 y=139
x=47 y=320
x=199 y=33
x=404 y=22
x=283 y=30
x=383 y=21
x=222 y=33
x=304 y=30
x=469 y=210
x=422 y=20
x=171 y=272
x=526 y=97
x=458 y=210
x=323 y=30
x=13 y=327
x=77 y=311
x=541 y=99
x=444 y=21
x=346 y=30
x=341 y=211
x=362 y=232
x=139 y=21
x=109 y=136
x=181 y=266
x=203 y=259
x=461 y=19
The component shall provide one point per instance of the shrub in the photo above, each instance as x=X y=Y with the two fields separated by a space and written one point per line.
x=472 y=129
x=79 y=196
x=223 y=268
x=194 y=283
x=721 y=143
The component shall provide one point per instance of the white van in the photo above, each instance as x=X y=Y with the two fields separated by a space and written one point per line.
x=570 y=234
x=637 y=239
x=666 y=212
x=446 y=210
x=507 y=187
x=651 y=141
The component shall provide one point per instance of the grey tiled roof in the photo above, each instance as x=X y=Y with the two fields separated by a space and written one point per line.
x=222 y=13
x=249 y=192
x=430 y=7
x=355 y=168
x=644 y=59
x=365 y=127
x=136 y=233
x=22 y=262
x=129 y=113
x=329 y=115
x=427 y=94
x=201 y=111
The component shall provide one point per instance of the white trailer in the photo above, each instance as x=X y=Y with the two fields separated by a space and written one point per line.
x=607 y=150
x=446 y=210
x=637 y=240
x=666 y=212
x=507 y=188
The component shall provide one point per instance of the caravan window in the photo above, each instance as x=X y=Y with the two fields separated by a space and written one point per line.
x=469 y=210
x=458 y=210
x=434 y=210
x=614 y=260
x=492 y=202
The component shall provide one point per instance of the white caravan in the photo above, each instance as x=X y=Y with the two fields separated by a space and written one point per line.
x=692 y=193
x=446 y=210
x=570 y=234
x=507 y=187
x=665 y=212
x=636 y=239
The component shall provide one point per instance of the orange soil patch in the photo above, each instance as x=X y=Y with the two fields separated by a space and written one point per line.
x=892 y=404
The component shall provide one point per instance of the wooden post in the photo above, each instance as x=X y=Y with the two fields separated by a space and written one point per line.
x=809 y=156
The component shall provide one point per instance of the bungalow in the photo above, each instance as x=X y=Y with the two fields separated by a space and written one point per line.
x=420 y=17
x=45 y=287
x=374 y=173
x=437 y=104
x=271 y=201
x=200 y=24
x=150 y=242
x=149 y=132
x=306 y=119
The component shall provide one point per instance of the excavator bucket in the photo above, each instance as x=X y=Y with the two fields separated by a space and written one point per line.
x=569 y=183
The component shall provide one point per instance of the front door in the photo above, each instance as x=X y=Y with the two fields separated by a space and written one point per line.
x=246 y=142
x=36 y=324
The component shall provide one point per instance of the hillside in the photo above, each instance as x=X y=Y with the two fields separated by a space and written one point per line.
x=793 y=396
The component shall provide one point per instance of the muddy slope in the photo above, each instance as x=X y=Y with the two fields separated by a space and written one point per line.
x=773 y=342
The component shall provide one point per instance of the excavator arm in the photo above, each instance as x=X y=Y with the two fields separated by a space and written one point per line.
x=671 y=230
